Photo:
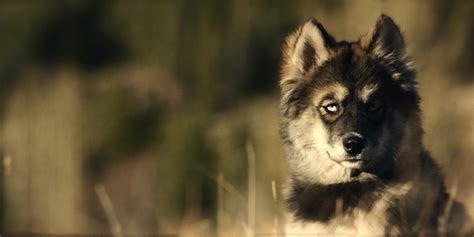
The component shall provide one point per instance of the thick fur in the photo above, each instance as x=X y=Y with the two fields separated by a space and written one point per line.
x=333 y=89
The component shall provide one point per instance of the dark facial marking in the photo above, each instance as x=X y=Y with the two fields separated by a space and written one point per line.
x=375 y=109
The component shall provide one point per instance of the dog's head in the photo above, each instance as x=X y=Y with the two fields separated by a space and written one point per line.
x=347 y=107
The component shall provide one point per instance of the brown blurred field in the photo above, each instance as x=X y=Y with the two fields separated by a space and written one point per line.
x=161 y=117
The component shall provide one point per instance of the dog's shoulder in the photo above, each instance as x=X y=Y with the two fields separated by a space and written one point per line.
x=428 y=206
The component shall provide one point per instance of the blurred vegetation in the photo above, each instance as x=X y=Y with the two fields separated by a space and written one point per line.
x=158 y=102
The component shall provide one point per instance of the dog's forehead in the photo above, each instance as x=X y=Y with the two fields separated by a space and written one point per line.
x=335 y=90
x=365 y=71
x=349 y=71
x=339 y=91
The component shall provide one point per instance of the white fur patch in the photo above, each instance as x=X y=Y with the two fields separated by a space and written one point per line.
x=367 y=91
x=396 y=75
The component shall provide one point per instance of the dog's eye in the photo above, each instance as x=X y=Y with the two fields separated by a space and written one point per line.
x=375 y=106
x=332 y=108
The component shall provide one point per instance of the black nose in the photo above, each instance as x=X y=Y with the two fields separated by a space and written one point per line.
x=353 y=144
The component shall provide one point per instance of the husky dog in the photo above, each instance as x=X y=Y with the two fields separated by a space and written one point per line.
x=352 y=133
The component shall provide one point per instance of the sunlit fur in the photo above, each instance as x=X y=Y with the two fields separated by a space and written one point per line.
x=394 y=186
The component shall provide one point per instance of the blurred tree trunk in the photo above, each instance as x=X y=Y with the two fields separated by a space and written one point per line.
x=41 y=140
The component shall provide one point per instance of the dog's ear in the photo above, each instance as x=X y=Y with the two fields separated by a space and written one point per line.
x=308 y=47
x=304 y=50
x=384 y=40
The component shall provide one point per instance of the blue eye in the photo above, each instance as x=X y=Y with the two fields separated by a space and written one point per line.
x=332 y=108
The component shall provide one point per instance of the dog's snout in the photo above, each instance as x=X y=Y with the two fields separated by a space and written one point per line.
x=353 y=144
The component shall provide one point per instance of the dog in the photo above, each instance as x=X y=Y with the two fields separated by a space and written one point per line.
x=351 y=129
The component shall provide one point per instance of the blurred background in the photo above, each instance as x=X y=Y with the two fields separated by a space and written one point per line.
x=161 y=117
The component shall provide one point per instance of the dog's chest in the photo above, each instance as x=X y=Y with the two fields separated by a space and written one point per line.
x=356 y=222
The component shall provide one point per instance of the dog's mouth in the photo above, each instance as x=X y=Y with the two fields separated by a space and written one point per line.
x=351 y=162
x=364 y=165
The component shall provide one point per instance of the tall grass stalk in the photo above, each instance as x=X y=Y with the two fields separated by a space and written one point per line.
x=251 y=187
x=106 y=203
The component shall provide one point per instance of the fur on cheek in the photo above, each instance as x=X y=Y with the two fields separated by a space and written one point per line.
x=309 y=160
